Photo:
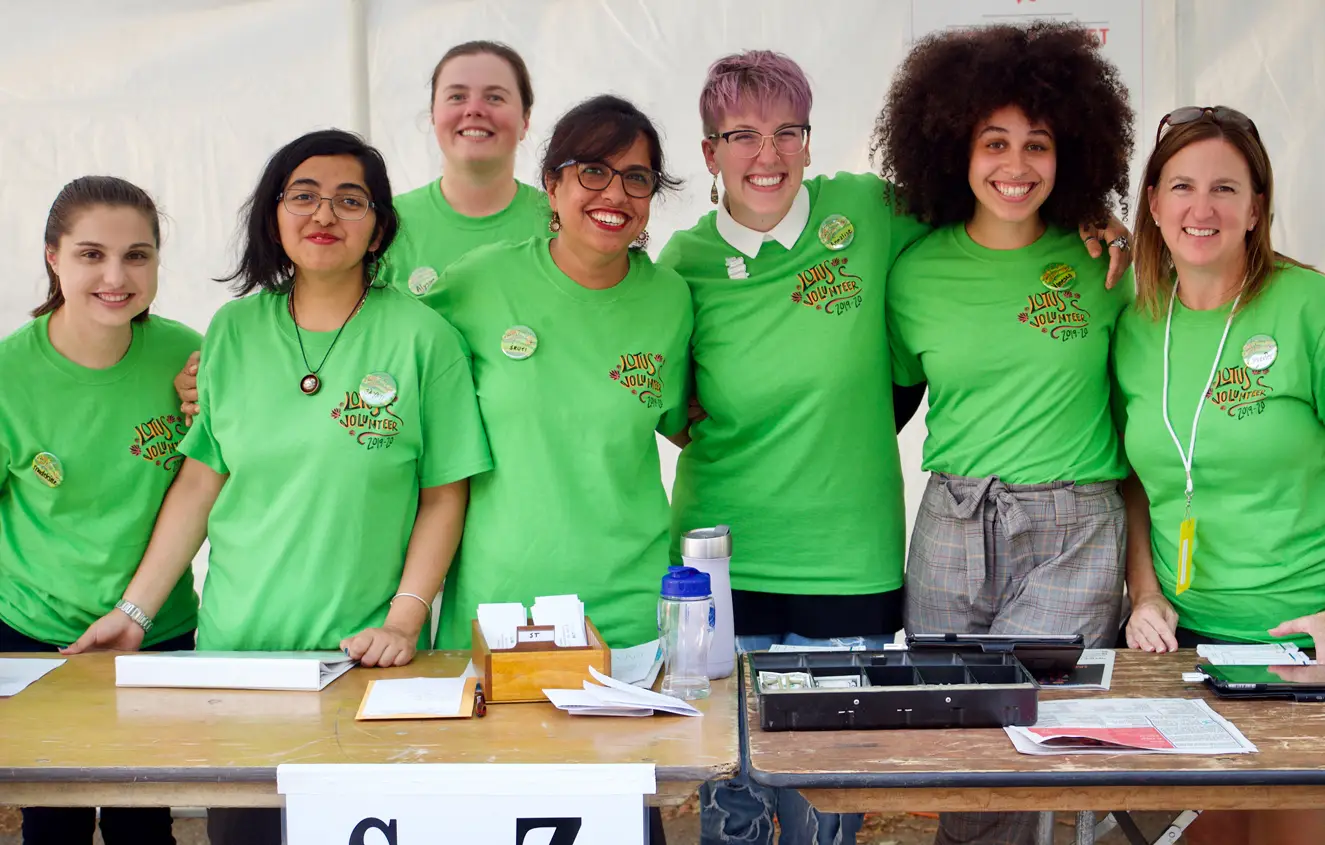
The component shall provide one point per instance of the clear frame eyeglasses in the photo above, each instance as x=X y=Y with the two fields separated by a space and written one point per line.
x=350 y=206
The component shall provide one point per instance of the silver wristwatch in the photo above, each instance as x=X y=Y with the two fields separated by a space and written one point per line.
x=135 y=613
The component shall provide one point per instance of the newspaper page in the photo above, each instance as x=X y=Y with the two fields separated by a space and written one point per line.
x=1129 y=726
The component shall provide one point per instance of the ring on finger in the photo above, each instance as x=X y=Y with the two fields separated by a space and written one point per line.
x=1120 y=242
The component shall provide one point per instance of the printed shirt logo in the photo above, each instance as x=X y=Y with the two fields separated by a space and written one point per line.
x=372 y=428
x=1240 y=392
x=828 y=287
x=157 y=441
x=638 y=373
x=1057 y=313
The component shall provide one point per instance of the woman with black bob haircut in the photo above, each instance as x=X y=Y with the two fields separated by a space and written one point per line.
x=328 y=463
x=1006 y=138
x=580 y=354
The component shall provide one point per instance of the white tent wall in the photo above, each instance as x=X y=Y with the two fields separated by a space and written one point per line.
x=189 y=98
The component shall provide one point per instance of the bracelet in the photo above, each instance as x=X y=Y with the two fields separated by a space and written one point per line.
x=427 y=604
x=135 y=613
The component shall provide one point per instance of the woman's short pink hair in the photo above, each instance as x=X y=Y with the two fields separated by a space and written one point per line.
x=760 y=78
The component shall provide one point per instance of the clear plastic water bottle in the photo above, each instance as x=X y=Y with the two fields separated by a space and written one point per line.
x=685 y=630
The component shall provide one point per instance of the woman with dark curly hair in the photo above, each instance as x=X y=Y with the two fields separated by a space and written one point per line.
x=1004 y=138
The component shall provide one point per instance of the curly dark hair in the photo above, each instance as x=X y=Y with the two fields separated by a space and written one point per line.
x=951 y=80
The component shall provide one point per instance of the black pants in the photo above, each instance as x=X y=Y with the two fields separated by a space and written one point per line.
x=74 y=825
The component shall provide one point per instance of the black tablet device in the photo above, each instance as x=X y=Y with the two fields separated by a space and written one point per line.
x=1299 y=683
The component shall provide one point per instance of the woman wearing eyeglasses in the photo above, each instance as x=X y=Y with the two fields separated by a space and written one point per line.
x=580 y=354
x=1221 y=378
x=328 y=465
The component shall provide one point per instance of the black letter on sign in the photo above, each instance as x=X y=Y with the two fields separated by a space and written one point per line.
x=564 y=831
x=359 y=835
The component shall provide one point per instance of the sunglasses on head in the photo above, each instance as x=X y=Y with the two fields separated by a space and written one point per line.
x=1217 y=114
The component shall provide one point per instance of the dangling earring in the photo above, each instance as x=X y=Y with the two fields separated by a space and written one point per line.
x=554 y=225
x=713 y=194
x=641 y=240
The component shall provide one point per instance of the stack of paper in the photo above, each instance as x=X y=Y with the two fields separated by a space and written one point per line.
x=1129 y=726
x=263 y=670
x=616 y=698
x=1268 y=654
x=564 y=614
x=16 y=673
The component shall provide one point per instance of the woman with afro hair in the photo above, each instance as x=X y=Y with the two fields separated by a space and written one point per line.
x=1004 y=138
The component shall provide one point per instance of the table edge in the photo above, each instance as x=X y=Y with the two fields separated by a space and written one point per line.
x=267 y=774
x=1056 y=780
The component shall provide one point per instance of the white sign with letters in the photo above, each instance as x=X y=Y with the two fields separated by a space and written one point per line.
x=440 y=804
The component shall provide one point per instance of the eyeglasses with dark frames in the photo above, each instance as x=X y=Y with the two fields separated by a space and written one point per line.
x=638 y=182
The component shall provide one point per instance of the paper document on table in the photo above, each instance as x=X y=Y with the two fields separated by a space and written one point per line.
x=1093 y=670
x=1129 y=726
x=18 y=673
x=418 y=698
x=637 y=665
x=617 y=696
x=1264 y=654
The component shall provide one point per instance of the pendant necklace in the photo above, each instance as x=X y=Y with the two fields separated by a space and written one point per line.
x=310 y=383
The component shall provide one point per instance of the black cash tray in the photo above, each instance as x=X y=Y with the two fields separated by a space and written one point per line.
x=896 y=689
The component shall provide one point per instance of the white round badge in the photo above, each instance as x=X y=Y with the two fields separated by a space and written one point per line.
x=1259 y=352
x=421 y=280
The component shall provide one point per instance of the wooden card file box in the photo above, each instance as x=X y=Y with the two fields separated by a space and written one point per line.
x=522 y=673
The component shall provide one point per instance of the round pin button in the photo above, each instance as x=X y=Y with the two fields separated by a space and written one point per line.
x=519 y=342
x=48 y=468
x=377 y=389
x=1058 y=276
x=836 y=232
x=421 y=280
x=1259 y=352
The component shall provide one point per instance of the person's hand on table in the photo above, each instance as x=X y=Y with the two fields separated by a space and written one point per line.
x=113 y=632
x=1153 y=625
x=1118 y=240
x=385 y=646
x=186 y=386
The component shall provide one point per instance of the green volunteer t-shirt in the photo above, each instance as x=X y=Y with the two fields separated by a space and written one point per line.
x=433 y=235
x=309 y=533
x=1258 y=476
x=1015 y=347
x=798 y=453
x=87 y=456
x=575 y=502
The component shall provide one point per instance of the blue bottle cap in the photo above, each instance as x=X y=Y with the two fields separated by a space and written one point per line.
x=686 y=582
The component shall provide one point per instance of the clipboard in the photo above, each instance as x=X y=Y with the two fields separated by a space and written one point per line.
x=472 y=703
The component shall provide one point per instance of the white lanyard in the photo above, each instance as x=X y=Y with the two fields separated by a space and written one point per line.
x=1188 y=456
